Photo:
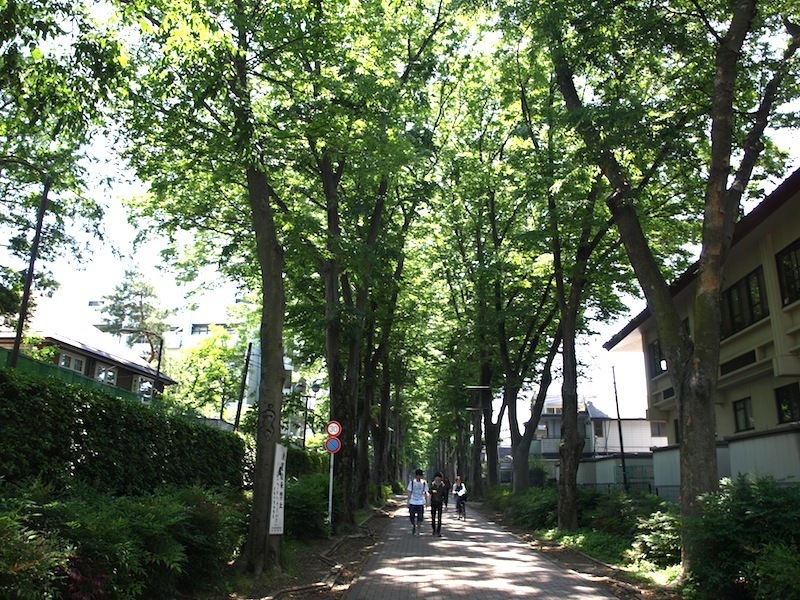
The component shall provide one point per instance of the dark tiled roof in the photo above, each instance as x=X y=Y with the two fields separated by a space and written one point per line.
x=782 y=194
x=65 y=342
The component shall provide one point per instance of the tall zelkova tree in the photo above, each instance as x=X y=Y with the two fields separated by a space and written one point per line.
x=311 y=110
x=195 y=132
x=58 y=69
x=356 y=116
x=719 y=67
x=501 y=266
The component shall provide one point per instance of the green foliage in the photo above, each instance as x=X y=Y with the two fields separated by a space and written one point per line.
x=210 y=373
x=617 y=513
x=32 y=562
x=118 y=446
x=378 y=494
x=534 y=509
x=300 y=463
x=736 y=525
x=499 y=497
x=602 y=545
x=398 y=487
x=306 y=507
x=11 y=282
x=658 y=539
x=773 y=573
x=58 y=71
x=132 y=309
x=157 y=546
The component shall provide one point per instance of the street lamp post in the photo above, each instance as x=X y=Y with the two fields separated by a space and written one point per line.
x=315 y=387
x=301 y=386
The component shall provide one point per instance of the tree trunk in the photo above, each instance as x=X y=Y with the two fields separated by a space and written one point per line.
x=491 y=429
x=362 y=449
x=462 y=437
x=476 y=479
x=380 y=432
x=263 y=551
x=572 y=439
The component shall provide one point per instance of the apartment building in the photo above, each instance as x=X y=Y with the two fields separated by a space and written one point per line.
x=758 y=392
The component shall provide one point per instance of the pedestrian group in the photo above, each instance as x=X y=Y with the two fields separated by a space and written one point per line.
x=438 y=493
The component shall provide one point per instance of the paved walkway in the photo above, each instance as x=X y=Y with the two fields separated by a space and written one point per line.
x=473 y=560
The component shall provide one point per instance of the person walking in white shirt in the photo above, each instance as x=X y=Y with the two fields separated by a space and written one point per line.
x=417 y=501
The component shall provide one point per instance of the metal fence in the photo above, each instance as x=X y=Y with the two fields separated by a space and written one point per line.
x=670 y=493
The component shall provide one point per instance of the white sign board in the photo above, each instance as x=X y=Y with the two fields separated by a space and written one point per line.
x=278 y=491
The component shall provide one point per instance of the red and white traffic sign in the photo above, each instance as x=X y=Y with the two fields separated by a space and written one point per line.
x=333 y=428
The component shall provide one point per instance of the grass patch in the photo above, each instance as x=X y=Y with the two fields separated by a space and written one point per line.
x=604 y=547
x=612 y=550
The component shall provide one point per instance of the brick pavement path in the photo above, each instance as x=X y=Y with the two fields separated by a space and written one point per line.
x=473 y=560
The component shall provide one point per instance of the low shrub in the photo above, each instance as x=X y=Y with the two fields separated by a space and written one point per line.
x=170 y=543
x=32 y=563
x=378 y=494
x=603 y=546
x=398 y=487
x=300 y=463
x=499 y=497
x=658 y=539
x=617 y=513
x=306 y=507
x=535 y=508
x=773 y=573
x=736 y=525
x=119 y=446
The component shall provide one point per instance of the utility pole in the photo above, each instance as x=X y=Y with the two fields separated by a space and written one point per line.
x=619 y=426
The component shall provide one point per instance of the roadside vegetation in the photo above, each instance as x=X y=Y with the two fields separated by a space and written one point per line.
x=747 y=537
x=80 y=521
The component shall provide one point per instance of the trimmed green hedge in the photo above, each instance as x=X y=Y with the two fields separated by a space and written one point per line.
x=55 y=431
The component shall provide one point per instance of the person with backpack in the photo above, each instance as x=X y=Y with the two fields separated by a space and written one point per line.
x=438 y=493
x=417 y=501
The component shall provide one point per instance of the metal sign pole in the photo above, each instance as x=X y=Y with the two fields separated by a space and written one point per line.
x=333 y=444
x=330 y=493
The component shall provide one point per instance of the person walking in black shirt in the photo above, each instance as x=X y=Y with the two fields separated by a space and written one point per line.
x=438 y=494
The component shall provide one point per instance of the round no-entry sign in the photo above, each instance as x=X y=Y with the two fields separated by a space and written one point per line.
x=333 y=445
x=333 y=429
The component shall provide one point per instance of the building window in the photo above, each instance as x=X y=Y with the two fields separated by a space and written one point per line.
x=658 y=364
x=744 y=303
x=201 y=328
x=598 y=429
x=142 y=386
x=658 y=429
x=677 y=425
x=71 y=362
x=788 y=399
x=106 y=374
x=743 y=413
x=788 y=261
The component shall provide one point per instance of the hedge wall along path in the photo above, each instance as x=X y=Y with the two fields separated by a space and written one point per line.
x=55 y=431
